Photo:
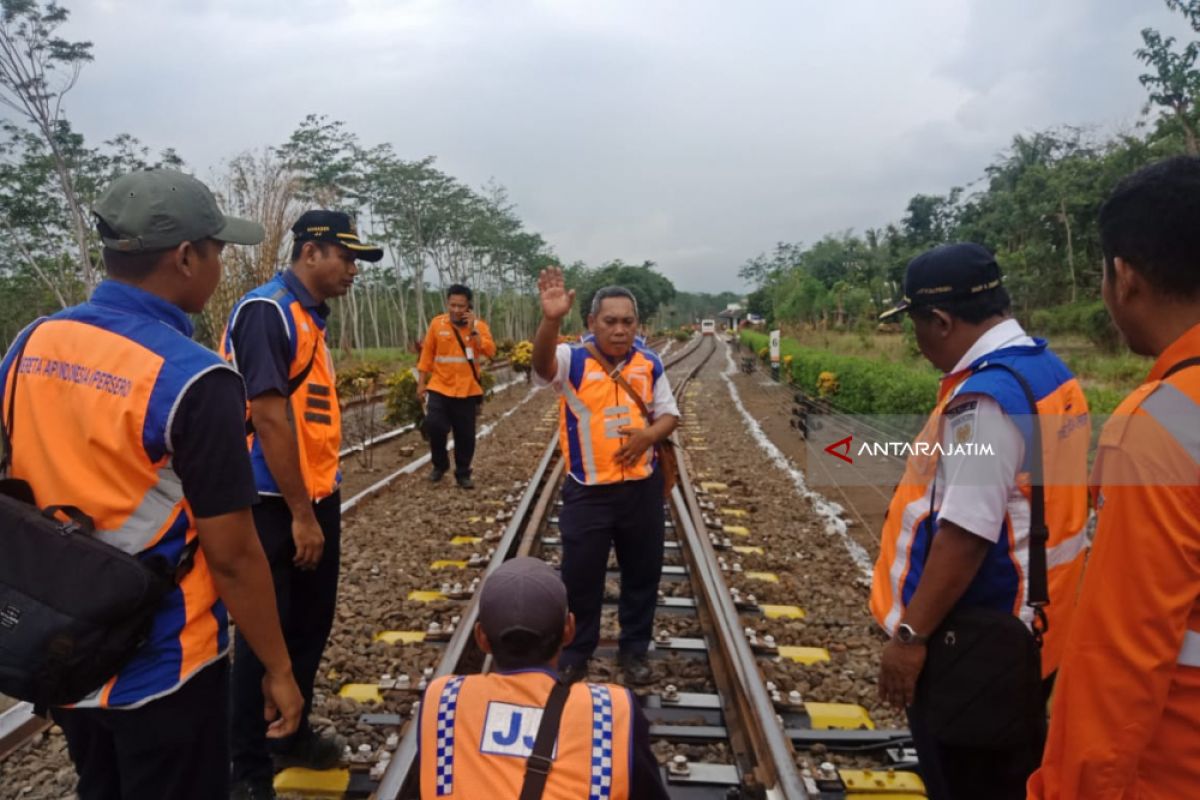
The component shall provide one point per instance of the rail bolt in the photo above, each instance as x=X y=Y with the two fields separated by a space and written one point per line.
x=403 y=682
x=670 y=693
x=663 y=636
x=828 y=771
x=794 y=697
x=737 y=566
x=769 y=640
x=434 y=628
x=679 y=765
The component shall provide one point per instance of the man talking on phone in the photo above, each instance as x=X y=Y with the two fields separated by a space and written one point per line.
x=450 y=382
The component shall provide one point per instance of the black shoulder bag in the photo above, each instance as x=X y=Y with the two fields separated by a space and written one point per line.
x=539 y=763
x=73 y=609
x=981 y=685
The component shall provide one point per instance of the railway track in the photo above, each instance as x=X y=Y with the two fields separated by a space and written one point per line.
x=723 y=731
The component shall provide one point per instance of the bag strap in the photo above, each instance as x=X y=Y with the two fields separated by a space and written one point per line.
x=1038 y=596
x=614 y=372
x=1194 y=361
x=298 y=381
x=470 y=360
x=6 y=425
x=537 y=766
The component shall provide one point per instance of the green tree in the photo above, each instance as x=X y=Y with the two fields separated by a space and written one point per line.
x=1174 y=81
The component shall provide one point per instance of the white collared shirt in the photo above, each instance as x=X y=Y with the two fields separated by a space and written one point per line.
x=976 y=490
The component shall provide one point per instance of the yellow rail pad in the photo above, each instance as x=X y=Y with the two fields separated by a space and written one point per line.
x=735 y=530
x=466 y=540
x=803 y=655
x=473 y=520
x=768 y=577
x=713 y=486
x=748 y=550
x=875 y=782
x=735 y=512
x=448 y=564
x=841 y=716
x=313 y=783
x=782 y=612
x=361 y=692
x=400 y=637
x=426 y=597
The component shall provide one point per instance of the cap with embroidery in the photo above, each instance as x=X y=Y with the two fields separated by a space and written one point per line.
x=334 y=226
x=945 y=274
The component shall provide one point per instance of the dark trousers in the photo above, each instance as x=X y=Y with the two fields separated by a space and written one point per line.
x=968 y=773
x=443 y=415
x=627 y=516
x=176 y=746
x=306 y=601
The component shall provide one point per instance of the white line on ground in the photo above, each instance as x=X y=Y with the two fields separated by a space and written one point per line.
x=829 y=511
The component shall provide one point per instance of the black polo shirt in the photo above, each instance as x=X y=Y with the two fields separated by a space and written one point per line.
x=261 y=341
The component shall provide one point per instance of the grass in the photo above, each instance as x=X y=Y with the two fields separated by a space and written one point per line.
x=390 y=358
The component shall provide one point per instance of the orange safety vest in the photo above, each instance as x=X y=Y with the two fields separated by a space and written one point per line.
x=99 y=385
x=442 y=356
x=1125 y=720
x=1001 y=582
x=477 y=732
x=313 y=402
x=593 y=408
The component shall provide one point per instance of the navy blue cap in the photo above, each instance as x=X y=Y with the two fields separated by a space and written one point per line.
x=945 y=274
x=337 y=227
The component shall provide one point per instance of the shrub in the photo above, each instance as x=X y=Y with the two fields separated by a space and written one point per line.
x=401 y=401
x=827 y=384
x=522 y=358
x=359 y=382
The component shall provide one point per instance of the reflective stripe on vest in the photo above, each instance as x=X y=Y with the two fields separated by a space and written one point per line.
x=1001 y=583
x=313 y=406
x=594 y=408
x=477 y=732
x=1189 y=653
x=450 y=359
x=94 y=432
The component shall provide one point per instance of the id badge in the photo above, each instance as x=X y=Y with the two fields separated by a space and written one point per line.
x=470 y=354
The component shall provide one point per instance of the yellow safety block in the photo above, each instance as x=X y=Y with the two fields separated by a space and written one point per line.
x=697 y=438
x=313 y=783
x=782 y=612
x=425 y=597
x=361 y=692
x=735 y=512
x=400 y=637
x=803 y=655
x=842 y=716
x=768 y=577
x=466 y=540
x=748 y=550
x=735 y=530
x=713 y=486
x=875 y=782
x=448 y=564
x=473 y=520
x=697 y=448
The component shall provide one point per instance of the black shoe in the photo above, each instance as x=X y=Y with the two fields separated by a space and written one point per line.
x=465 y=483
x=635 y=670
x=312 y=752
x=573 y=673
x=436 y=474
x=253 y=790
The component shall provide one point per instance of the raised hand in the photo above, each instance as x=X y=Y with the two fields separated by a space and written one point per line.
x=556 y=298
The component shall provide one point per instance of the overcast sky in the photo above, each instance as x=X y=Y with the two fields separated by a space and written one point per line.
x=694 y=133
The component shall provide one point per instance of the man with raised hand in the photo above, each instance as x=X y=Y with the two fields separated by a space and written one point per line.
x=613 y=494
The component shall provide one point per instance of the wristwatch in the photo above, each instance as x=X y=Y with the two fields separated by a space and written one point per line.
x=906 y=634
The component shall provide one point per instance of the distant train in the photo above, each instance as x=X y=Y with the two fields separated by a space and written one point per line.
x=708 y=327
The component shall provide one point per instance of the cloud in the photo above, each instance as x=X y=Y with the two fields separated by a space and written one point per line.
x=694 y=134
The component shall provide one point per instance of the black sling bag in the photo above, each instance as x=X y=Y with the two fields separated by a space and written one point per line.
x=537 y=766
x=73 y=609
x=981 y=685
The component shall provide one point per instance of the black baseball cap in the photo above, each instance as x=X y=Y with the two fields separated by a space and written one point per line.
x=945 y=274
x=523 y=594
x=337 y=227
x=156 y=209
